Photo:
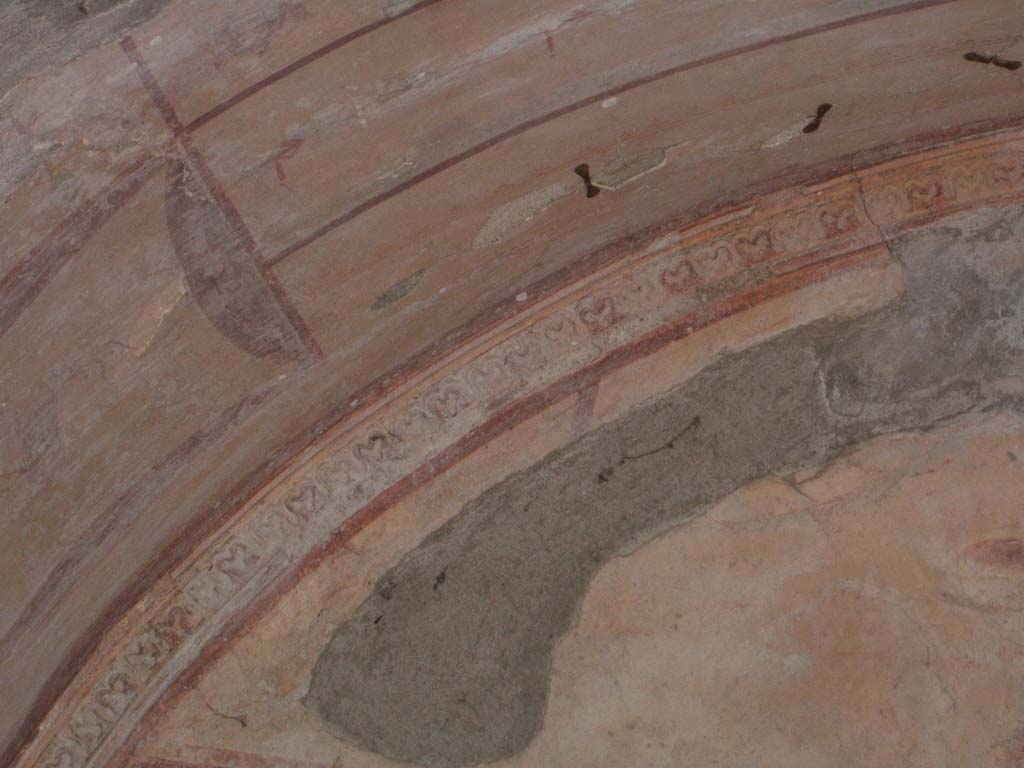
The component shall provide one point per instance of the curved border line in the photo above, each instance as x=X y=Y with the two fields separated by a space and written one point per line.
x=251 y=485
x=341 y=416
x=597 y=98
x=300 y=63
x=882 y=201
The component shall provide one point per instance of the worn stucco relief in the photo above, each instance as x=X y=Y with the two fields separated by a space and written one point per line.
x=671 y=288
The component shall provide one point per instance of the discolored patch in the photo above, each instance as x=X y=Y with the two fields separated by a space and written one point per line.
x=251 y=33
x=616 y=172
x=221 y=273
x=1012 y=750
x=454 y=671
x=512 y=218
x=37 y=34
x=1000 y=553
x=398 y=291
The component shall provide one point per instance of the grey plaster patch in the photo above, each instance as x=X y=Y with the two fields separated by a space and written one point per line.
x=616 y=172
x=447 y=663
x=38 y=34
x=17 y=160
x=948 y=343
x=513 y=217
x=398 y=291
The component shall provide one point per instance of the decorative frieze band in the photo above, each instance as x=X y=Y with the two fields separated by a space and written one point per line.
x=677 y=275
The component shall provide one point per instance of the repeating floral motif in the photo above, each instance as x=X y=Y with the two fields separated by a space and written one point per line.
x=904 y=194
x=267 y=540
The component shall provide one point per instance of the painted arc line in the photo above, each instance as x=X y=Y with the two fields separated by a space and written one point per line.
x=301 y=63
x=596 y=98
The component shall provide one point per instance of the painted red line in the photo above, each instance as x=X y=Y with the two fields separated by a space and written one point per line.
x=216 y=515
x=580 y=381
x=24 y=282
x=588 y=101
x=152 y=87
x=511 y=416
x=63 y=577
x=305 y=61
x=111 y=523
x=220 y=195
x=113 y=520
x=30 y=724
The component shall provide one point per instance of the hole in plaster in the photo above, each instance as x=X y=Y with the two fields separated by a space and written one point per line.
x=998 y=61
x=815 y=124
x=583 y=171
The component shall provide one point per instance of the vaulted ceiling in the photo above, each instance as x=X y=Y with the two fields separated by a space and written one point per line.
x=271 y=270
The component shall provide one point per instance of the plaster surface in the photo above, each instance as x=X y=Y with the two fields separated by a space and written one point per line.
x=869 y=615
x=845 y=588
x=448 y=662
x=866 y=613
x=283 y=278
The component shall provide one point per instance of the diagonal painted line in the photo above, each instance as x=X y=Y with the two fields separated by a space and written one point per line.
x=305 y=61
x=219 y=195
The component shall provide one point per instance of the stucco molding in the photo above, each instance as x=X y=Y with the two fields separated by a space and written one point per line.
x=687 y=279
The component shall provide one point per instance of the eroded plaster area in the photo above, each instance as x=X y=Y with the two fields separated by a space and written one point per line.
x=448 y=662
x=867 y=615
x=228 y=227
x=40 y=34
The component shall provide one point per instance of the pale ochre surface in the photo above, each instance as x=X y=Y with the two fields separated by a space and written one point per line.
x=128 y=416
x=854 y=618
x=845 y=621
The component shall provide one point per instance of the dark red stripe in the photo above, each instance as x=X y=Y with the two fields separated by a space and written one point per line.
x=220 y=195
x=305 y=61
x=277 y=464
x=515 y=414
x=23 y=284
x=597 y=98
x=152 y=87
x=63 y=576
